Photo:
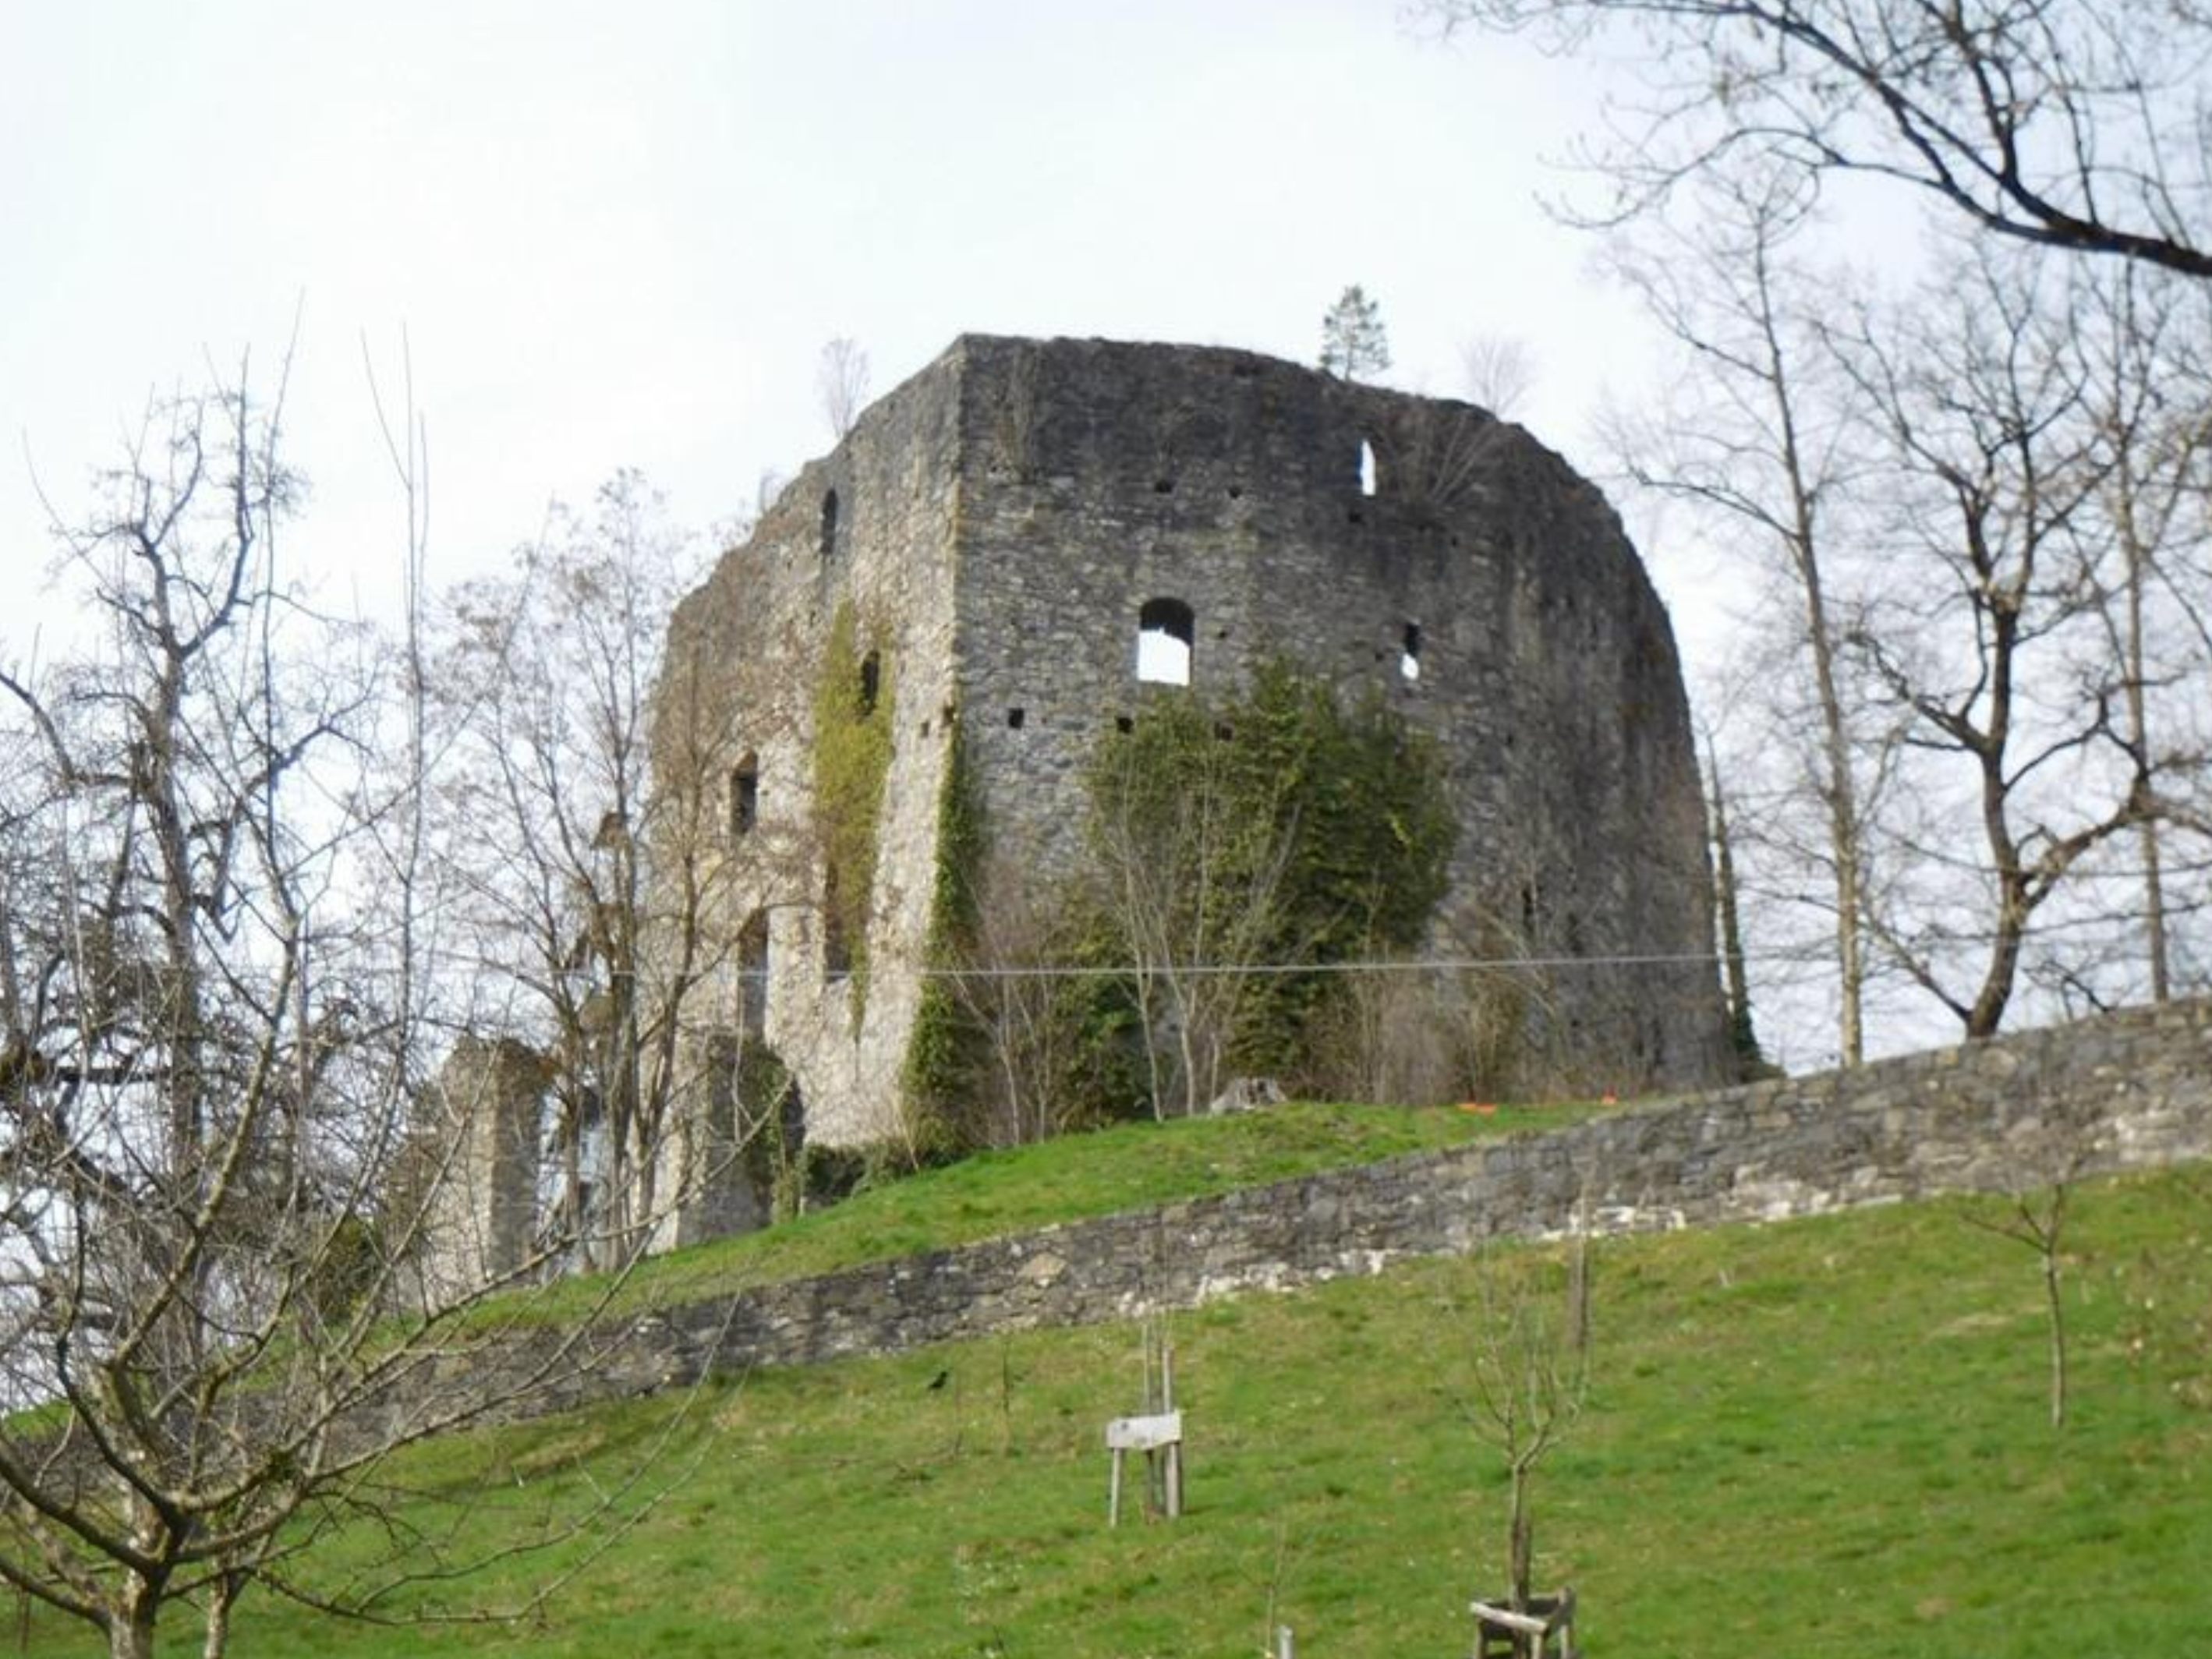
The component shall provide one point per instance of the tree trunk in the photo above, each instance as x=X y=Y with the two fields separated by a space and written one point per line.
x=1840 y=796
x=131 y=1625
x=1743 y=1034
x=1520 y=1537
x=2154 y=940
x=223 y=1596
x=2057 y=1310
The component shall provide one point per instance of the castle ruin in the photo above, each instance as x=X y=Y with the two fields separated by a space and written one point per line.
x=1028 y=540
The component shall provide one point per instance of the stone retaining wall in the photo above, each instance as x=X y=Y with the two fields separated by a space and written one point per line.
x=2131 y=1090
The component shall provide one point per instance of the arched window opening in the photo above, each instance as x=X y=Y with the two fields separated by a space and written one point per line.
x=1366 y=467
x=872 y=682
x=1165 y=629
x=752 y=976
x=745 y=796
x=1409 y=654
x=830 y=524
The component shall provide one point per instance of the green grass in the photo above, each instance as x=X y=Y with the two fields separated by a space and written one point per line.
x=1131 y=1166
x=1821 y=1437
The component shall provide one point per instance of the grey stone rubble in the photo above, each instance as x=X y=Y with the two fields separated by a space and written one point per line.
x=2131 y=1090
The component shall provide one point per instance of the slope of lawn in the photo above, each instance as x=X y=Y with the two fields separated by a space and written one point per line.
x=1828 y=1437
x=1128 y=1167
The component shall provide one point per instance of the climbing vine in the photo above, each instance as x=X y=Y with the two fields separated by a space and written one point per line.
x=852 y=758
x=943 y=1060
x=1277 y=828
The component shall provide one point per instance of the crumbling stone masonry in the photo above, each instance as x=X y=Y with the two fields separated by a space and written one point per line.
x=1029 y=540
x=484 y=1148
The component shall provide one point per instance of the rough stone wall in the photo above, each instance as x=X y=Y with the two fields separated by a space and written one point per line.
x=1099 y=476
x=758 y=628
x=1002 y=518
x=2128 y=1091
x=481 y=1221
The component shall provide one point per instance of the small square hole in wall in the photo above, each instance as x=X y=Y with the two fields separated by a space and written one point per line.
x=1163 y=486
x=1124 y=725
x=1015 y=717
x=1224 y=732
x=925 y=728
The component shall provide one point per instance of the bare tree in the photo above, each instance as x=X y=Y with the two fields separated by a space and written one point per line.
x=1011 y=990
x=209 y=1275
x=2070 y=134
x=1187 y=876
x=592 y=882
x=2036 y=1218
x=1993 y=654
x=1743 y=1030
x=2071 y=124
x=1498 y=372
x=841 y=381
x=1757 y=437
x=1531 y=1377
x=2052 y=1154
x=1402 y=1033
x=2147 y=391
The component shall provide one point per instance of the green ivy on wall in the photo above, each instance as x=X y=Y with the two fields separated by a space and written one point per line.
x=1296 y=830
x=853 y=704
x=943 y=1054
x=1278 y=826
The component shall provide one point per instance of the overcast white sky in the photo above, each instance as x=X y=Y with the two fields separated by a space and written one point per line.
x=620 y=235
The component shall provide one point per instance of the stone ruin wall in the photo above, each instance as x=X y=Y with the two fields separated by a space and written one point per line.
x=481 y=1150
x=1099 y=476
x=759 y=627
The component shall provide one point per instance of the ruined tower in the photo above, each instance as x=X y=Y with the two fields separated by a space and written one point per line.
x=1029 y=539
x=480 y=1224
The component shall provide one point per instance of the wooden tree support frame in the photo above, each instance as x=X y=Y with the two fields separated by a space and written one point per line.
x=1157 y=1434
x=1546 y=1631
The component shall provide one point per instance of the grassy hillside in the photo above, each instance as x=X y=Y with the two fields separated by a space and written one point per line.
x=1824 y=1438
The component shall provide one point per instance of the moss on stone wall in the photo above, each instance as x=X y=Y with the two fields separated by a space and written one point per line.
x=852 y=758
x=1279 y=828
x=1276 y=827
x=944 y=1055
